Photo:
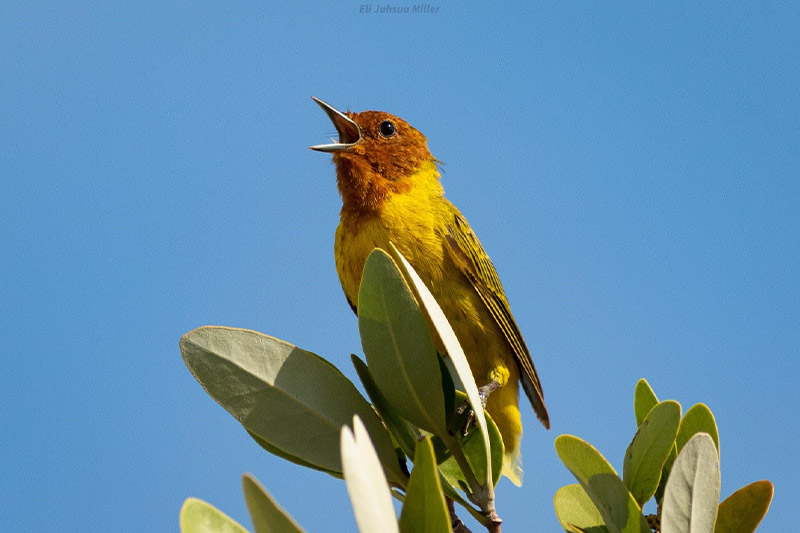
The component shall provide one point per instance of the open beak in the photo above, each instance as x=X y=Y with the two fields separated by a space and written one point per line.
x=349 y=132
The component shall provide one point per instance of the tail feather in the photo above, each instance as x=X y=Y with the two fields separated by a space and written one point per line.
x=512 y=466
x=536 y=399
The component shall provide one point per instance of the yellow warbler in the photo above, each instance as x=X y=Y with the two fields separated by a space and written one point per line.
x=390 y=190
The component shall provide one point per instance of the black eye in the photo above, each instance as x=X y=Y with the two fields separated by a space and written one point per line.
x=387 y=128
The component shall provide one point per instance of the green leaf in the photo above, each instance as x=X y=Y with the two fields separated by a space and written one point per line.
x=698 y=419
x=649 y=449
x=291 y=458
x=644 y=399
x=692 y=493
x=403 y=432
x=742 y=511
x=576 y=512
x=198 y=516
x=447 y=337
x=266 y=514
x=424 y=508
x=472 y=446
x=398 y=345
x=616 y=505
x=365 y=481
x=293 y=400
x=662 y=485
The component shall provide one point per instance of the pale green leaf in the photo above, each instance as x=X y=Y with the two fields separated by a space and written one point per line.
x=291 y=399
x=366 y=483
x=649 y=449
x=742 y=511
x=576 y=512
x=398 y=346
x=424 y=508
x=266 y=514
x=198 y=516
x=644 y=399
x=616 y=505
x=692 y=492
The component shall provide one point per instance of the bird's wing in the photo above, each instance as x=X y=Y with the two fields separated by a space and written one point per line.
x=470 y=257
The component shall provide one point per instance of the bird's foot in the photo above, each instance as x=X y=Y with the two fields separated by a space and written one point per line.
x=483 y=394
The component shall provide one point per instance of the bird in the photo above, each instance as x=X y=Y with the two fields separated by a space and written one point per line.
x=391 y=191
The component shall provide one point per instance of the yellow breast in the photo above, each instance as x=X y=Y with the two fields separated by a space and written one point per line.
x=416 y=223
x=412 y=221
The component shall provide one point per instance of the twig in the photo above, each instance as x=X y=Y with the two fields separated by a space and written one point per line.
x=481 y=494
x=455 y=522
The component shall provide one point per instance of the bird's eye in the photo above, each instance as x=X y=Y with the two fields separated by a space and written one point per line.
x=387 y=128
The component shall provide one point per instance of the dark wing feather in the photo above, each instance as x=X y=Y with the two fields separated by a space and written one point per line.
x=472 y=260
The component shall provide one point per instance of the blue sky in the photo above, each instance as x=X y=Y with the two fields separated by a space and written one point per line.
x=632 y=169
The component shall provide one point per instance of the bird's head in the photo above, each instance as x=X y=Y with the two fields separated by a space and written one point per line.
x=376 y=155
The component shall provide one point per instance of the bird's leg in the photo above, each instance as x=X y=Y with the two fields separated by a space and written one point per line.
x=483 y=394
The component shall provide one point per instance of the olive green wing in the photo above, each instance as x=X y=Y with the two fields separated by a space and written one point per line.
x=470 y=257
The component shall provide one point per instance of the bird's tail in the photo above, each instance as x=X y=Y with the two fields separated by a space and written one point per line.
x=502 y=407
x=512 y=466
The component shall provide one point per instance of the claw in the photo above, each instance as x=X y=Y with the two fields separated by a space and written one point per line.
x=483 y=394
x=468 y=422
